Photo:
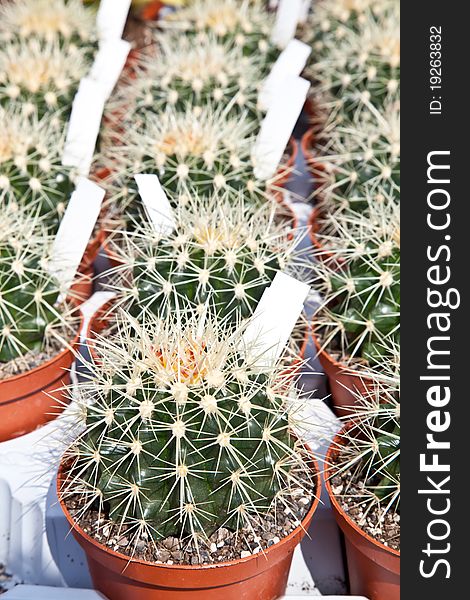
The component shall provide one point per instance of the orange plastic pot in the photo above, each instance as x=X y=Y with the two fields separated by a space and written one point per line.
x=31 y=399
x=374 y=569
x=285 y=170
x=257 y=577
x=346 y=385
x=151 y=11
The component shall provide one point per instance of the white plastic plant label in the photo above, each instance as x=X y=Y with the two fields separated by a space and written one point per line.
x=291 y=61
x=304 y=11
x=111 y=18
x=75 y=231
x=156 y=203
x=109 y=63
x=91 y=306
x=278 y=125
x=84 y=125
x=274 y=319
x=287 y=19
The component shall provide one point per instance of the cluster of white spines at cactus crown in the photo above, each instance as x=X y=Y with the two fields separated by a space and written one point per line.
x=47 y=20
x=33 y=71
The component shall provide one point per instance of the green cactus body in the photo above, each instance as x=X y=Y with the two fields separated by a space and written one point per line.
x=27 y=292
x=179 y=73
x=221 y=248
x=360 y=316
x=191 y=153
x=31 y=173
x=184 y=435
x=41 y=76
x=245 y=23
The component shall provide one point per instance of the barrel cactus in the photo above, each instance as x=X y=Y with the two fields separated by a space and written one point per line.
x=246 y=23
x=360 y=60
x=359 y=275
x=221 y=248
x=66 y=21
x=202 y=153
x=184 y=434
x=29 y=314
x=31 y=173
x=177 y=72
x=34 y=74
x=369 y=460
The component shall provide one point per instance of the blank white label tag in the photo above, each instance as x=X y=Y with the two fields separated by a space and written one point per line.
x=274 y=319
x=277 y=126
x=75 y=231
x=91 y=306
x=109 y=63
x=287 y=19
x=84 y=125
x=111 y=18
x=304 y=11
x=156 y=203
x=291 y=61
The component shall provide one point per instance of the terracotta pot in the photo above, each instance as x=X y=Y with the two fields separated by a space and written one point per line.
x=31 y=399
x=345 y=384
x=285 y=170
x=374 y=569
x=258 y=577
x=151 y=11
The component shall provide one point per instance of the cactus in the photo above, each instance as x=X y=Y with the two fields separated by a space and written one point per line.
x=203 y=152
x=31 y=173
x=246 y=23
x=362 y=159
x=177 y=72
x=369 y=456
x=360 y=316
x=42 y=75
x=29 y=315
x=184 y=435
x=221 y=248
x=359 y=62
x=66 y=21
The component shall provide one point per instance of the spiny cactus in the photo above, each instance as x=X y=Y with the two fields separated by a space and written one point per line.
x=42 y=75
x=31 y=173
x=246 y=23
x=360 y=63
x=28 y=293
x=369 y=460
x=184 y=434
x=360 y=317
x=190 y=152
x=66 y=21
x=361 y=159
x=178 y=72
x=222 y=248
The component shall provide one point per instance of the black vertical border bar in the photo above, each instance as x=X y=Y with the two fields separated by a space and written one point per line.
x=421 y=134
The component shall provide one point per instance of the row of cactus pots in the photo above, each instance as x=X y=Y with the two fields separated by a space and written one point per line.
x=185 y=433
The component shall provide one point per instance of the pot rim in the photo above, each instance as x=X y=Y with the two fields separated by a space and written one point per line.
x=44 y=365
x=343 y=367
x=189 y=568
x=333 y=447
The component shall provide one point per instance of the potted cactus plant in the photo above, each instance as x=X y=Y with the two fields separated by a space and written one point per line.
x=188 y=477
x=221 y=247
x=357 y=326
x=363 y=483
x=177 y=72
x=38 y=328
x=190 y=152
x=246 y=22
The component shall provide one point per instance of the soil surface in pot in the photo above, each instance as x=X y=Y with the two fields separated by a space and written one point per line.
x=53 y=345
x=369 y=517
x=223 y=545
